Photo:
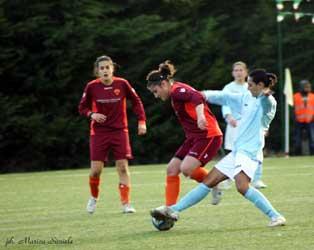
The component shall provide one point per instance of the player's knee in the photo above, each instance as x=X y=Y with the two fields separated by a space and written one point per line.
x=95 y=173
x=96 y=168
x=123 y=168
x=173 y=169
x=172 y=172
x=241 y=187
x=186 y=171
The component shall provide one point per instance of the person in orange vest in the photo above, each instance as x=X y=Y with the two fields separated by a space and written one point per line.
x=304 y=116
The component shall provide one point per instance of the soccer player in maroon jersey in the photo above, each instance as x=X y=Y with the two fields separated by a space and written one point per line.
x=104 y=103
x=203 y=135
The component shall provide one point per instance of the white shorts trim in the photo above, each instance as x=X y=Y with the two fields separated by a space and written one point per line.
x=232 y=164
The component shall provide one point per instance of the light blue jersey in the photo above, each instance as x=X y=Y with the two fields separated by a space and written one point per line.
x=256 y=116
x=234 y=88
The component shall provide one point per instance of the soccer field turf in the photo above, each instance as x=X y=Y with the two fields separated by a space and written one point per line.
x=48 y=206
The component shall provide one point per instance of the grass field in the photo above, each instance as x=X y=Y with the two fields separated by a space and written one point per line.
x=49 y=206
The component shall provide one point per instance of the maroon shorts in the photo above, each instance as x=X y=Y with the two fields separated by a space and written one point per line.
x=117 y=141
x=203 y=149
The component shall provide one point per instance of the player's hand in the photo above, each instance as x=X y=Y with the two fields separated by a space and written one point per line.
x=100 y=118
x=202 y=123
x=141 y=129
x=233 y=122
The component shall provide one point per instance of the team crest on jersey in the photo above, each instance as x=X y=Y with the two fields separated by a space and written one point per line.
x=116 y=91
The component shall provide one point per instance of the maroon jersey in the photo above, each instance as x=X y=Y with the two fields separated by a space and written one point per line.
x=110 y=100
x=184 y=100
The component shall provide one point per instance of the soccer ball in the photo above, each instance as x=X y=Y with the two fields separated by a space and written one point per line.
x=162 y=225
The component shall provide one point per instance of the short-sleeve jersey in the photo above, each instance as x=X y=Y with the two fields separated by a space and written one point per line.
x=184 y=100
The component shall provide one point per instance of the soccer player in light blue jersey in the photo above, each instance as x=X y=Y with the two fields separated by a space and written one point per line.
x=257 y=108
x=232 y=117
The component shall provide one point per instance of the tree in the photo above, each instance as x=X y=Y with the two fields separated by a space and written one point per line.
x=48 y=50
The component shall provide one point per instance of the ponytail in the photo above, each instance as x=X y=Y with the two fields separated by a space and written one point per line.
x=165 y=71
x=260 y=75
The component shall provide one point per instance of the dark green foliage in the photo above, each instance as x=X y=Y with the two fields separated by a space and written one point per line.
x=48 y=49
